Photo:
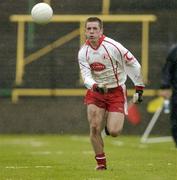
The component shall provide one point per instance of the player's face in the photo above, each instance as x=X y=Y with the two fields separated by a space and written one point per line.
x=93 y=31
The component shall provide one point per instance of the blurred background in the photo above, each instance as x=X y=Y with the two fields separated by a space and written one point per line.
x=40 y=86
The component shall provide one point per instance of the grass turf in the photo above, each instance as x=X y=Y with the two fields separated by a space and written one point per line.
x=69 y=157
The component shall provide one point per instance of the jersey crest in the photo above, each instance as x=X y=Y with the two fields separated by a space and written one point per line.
x=128 y=56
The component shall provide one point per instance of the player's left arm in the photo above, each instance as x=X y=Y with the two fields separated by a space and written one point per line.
x=133 y=70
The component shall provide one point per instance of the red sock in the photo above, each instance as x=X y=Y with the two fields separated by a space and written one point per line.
x=101 y=160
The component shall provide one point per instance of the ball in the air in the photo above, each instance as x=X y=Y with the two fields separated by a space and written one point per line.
x=42 y=13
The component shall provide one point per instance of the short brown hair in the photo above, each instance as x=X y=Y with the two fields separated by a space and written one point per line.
x=95 y=19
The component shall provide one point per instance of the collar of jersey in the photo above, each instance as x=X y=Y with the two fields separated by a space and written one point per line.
x=99 y=42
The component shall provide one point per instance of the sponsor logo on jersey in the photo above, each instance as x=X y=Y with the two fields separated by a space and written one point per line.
x=97 y=66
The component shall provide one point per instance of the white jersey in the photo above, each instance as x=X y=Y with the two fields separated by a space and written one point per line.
x=108 y=64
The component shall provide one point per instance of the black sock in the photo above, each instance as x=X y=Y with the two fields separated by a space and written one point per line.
x=106 y=131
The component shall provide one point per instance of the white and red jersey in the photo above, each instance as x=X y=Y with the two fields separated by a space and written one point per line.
x=108 y=64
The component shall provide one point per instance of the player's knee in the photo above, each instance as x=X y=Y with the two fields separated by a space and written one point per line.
x=94 y=125
x=115 y=132
x=94 y=130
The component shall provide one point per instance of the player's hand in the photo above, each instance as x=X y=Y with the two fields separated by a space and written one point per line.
x=100 y=88
x=138 y=97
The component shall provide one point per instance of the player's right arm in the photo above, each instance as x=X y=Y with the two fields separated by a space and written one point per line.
x=85 y=69
x=86 y=74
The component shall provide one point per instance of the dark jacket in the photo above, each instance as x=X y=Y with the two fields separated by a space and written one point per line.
x=169 y=71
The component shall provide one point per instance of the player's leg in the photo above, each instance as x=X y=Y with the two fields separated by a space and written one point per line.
x=173 y=118
x=117 y=108
x=96 y=121
x=105 y=129
x=115 y=122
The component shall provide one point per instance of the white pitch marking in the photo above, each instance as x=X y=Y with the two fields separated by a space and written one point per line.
x=26 y=167
x=87 y=152
x=150 y=164
x=16 y=167
x=59 y=152
x=10 y=167
x=93 y=179
x=31 y=142
x=46 y=152
x=41 y=153
x=43 y=166
x=118 y=143
x=36 y=143
x=78 y=138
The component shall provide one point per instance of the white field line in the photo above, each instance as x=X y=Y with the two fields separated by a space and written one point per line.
x=16 y=167
x=43 y=166
x=36 y=143
x=40 y=153
x=79 y=138
x=59 y=152
x=117 y=143
x=31 y=142
x=46 y=152
x=87 y=152
x=93 y=179
x=26 y=167
x=150 y=164
x=159 y=139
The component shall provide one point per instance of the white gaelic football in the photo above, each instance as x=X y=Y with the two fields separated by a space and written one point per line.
x=41 y=13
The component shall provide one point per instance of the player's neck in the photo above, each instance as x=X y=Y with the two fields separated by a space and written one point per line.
x=94 y=44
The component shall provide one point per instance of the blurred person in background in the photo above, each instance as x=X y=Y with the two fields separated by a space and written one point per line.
x=104 y=65
x=169 y=87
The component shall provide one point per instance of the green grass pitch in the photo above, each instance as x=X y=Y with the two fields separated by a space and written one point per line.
x=70 y=157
